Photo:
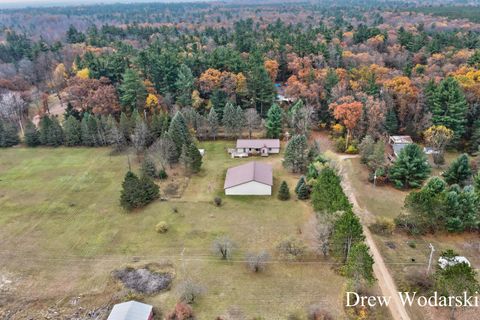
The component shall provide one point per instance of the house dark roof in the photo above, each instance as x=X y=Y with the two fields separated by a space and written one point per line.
x=131 y=310
x=258 y=143
x=251 y=171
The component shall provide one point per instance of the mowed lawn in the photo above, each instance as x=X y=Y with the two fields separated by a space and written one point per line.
x=63 y=233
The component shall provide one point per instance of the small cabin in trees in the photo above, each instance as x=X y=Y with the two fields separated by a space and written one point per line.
x=263 y=147
x=252 y=178
x=396 y=144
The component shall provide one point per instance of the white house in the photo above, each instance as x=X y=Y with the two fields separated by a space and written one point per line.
x=263 y=147
x=253 y=178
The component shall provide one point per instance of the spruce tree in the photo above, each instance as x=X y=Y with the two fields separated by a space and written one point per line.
x=213 y=123
x=132 y=91
x=51 y=133
x=88 y=130
x=195 y=157
x=475 y=139
x=327 y=193
x=149 y=168
x=32 y=136
x=299 y=183
x=359 y=265
x=131 y=192
x=449 y=107
x=459 y=171
x=410 y=168
x=8 y=134
x=284 y=192
x=391 y=122
x=303 y=192
x=149 y=191
x=233 y=120
x=73 y=132
x=273 y=123
x=178 y=132
x=219 y=100
x=296 y=154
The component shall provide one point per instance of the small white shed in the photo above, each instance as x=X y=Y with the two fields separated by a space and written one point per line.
x=131 y=310
x=253 y=178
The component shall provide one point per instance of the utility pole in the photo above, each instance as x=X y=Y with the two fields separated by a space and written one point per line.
x=431 y=256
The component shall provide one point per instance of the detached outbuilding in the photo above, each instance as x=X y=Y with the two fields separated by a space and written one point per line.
x=253 y=178
x=131 y=310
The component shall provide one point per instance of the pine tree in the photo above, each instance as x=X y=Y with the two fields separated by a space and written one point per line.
x=51 y=133
x=213 y=123
x=296 y=154
x=273 y=124
x=475 y=139
x=32 y=136
x=178 y=132
x=233 y=120
x=73 y=132
x=327 y=193
x=88 y=130
x=347 y=231
x=184 y=86
x=159 y=125
x=149 y=191
x=260 y=86
x=284 y=192
x=8 y=135
x=359 y=265
x=191 y=158
x=449 y=107
x=459 y=171
x=132 y=91
x=219 y=100
x=410 y=168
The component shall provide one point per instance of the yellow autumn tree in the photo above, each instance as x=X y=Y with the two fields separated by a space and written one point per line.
x=83 y=73
x=151 y=103
x=438 y=138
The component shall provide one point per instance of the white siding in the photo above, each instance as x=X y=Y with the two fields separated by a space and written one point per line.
x=273 y=150
x=250 y=188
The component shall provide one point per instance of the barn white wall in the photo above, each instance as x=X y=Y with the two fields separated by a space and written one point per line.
x=250 y=188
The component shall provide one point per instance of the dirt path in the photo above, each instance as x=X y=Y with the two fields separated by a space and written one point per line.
x=385 y=280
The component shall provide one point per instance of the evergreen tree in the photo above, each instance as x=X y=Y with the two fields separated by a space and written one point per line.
x=32 y=136
x=125 y=126
x=71 y=111
x=273 y=123
x=8 y=134
x=149 y=168
x=130 y=194
x=159 y=125
x=149 y=191
x=327 y=194
x=359 y=266
x=88 y=130
x=284 y=192
x=184 y=85
x=191 y=158
x=299 y=183
x=391 y=122
x=178 y=132
x=449 y=107
x=213 y=123
x=410 y=168
x=219 y=100
x=51 y=133
x=233 y=120
x=303 y=192
x=475 y=139
x=347 y=232
x=260 y=86
x=73 y=132
x=296 y=154
x=459 y=171
x=132 y=91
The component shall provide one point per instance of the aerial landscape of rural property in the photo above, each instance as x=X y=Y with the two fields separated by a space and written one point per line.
x=240 y=160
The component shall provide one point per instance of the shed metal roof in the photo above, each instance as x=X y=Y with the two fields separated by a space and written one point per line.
x=251 y=171
x=131 y=310
x=258 y=143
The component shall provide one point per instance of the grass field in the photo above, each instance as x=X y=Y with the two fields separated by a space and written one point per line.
x=63 y=233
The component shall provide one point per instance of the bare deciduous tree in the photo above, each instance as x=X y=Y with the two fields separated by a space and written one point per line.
x=224 y=247
x=13 y=108
x=164 y=150
x=252 y=120
x=257 y=262
x=190 y=291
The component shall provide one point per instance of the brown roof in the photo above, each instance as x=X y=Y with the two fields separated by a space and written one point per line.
x=251 y=171
x=258 y=143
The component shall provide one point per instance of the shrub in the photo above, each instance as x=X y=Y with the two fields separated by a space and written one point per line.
x=190 y=291
x=182 y=311
x=217 y=201
x=224 y=247
x=382 y=226
x=340 y=144
x=412 y=244
x=161 y=227
x=419 y=281
x=162 y=174
x=351 y=149
x=315 y=312
x=291 y=248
